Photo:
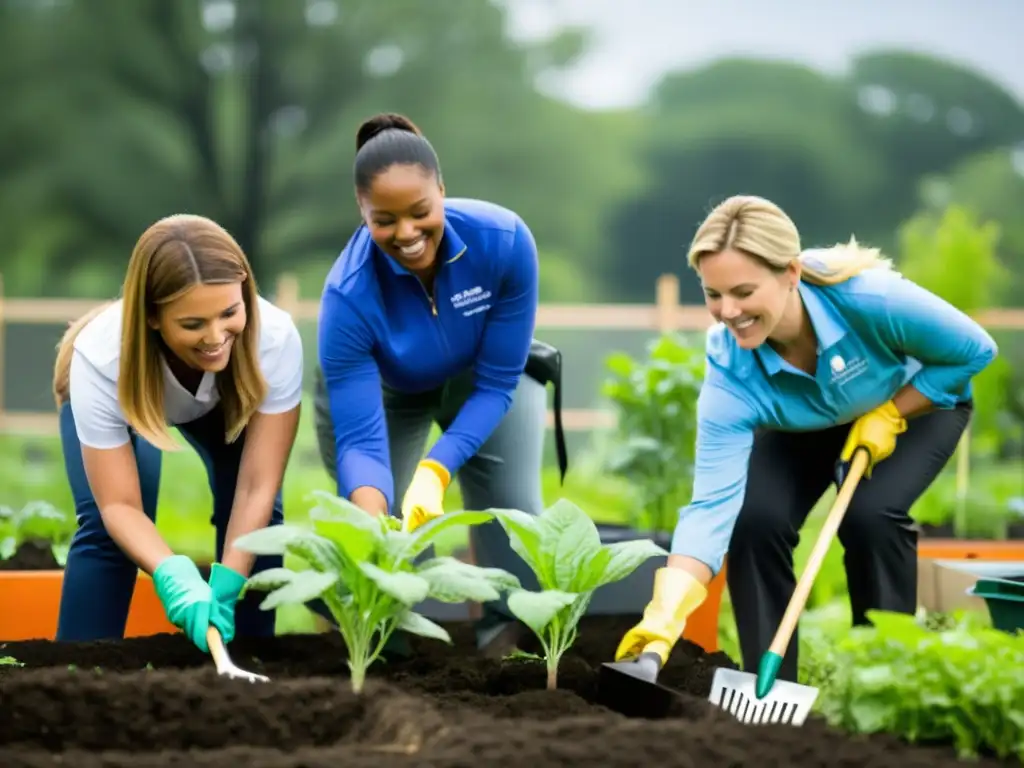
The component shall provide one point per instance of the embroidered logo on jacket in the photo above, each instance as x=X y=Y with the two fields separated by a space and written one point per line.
x=470 y=300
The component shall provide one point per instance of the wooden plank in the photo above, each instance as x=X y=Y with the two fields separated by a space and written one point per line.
x=582 y=317
x=46 y=424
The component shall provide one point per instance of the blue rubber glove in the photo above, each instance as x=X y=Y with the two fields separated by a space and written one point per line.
x=186 y=597
x=225 y=583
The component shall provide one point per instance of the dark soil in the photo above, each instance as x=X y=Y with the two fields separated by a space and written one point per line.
x=31 y=556
x=156 y=702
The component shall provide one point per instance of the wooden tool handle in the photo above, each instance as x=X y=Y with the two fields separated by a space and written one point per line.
x=828 y=531
x=216 y=644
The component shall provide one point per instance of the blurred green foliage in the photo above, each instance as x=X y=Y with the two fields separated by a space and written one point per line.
x=655 y=403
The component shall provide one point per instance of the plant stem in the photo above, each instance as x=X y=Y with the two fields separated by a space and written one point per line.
x=553 y=654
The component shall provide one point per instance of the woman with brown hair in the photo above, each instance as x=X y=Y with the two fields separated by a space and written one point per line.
x=190 y=344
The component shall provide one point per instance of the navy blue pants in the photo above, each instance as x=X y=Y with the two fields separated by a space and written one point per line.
x=99 y=578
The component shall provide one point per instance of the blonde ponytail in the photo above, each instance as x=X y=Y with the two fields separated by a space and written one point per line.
x=761 y=229
x=831 y=266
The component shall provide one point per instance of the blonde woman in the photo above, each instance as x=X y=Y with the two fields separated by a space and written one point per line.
x=814 y=354
x=190 y=344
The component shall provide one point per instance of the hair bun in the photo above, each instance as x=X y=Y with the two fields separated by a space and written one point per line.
x=383 y=122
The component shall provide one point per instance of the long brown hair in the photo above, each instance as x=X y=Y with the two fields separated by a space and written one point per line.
x=173 y=255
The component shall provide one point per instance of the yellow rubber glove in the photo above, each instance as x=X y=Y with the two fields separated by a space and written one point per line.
x=424 y=499
x=677 y=594
x=876 y=430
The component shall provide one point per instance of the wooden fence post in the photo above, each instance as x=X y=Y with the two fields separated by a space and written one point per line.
x=287 y=294
x=667 y=303
x=3 y=353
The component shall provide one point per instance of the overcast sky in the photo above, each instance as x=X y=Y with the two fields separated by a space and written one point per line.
x=637 y=40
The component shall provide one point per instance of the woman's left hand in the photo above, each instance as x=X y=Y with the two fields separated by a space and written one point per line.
x=226 y=584
x=424 y=500
x=876 y=430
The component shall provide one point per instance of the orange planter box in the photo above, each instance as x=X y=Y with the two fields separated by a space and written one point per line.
x=968 y=549
x=30 y=603
x=702 y=626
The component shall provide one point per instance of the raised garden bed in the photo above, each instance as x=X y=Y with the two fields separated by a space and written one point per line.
x=927 y=531
x=30 y=589
x=157 y=701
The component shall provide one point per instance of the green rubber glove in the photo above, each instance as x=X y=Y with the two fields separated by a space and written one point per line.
x=187 y=599
x=226 y=583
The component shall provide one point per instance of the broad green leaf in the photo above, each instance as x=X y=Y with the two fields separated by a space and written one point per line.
x=395 y=548
x=357 y=542
x=407 y=588
x=569 y=540
x=323 y=555
x=428 y=532
x=8 y=546
x=523 y=531
x=60 y=553
x=901 y=626
x=588 y=577
x=626 y=557
x=418 y=624
x=452 y=581
x=537 y=609
x=272 y=540
x=305 y=586
x=270 y=579
x=353 y=530
x=503 y=581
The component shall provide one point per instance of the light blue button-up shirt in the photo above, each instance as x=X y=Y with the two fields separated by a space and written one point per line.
x=876 y=332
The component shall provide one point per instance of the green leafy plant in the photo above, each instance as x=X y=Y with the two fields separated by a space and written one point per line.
x=363 y=568
x=563 y=549
x=953 y=686
x=656 y=401
x=10 y=661
x=938 y=250
x=36 y=521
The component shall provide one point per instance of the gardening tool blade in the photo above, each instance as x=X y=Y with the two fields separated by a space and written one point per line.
x=225 y=666
x=786 y=703
x=631 y=687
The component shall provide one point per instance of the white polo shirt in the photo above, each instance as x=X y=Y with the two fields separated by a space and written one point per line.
x=95 y=362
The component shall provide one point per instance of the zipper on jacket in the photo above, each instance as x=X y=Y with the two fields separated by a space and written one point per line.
x=430 y=299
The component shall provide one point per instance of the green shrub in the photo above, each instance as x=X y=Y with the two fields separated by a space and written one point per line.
x=653 y=444
x=959 y=684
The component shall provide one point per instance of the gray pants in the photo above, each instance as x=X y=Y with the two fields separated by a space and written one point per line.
x=504 y=473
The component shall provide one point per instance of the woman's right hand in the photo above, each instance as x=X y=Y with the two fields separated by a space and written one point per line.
x=677 y=594
x=186 y=597
x=370 y=500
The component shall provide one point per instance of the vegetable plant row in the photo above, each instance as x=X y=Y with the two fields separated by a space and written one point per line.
x=365 y=569
x=341 y=698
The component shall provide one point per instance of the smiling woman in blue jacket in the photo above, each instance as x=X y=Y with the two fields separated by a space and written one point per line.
x=814 y=354
x=427 y=316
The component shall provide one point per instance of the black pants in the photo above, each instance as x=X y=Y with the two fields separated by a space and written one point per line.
x=788 y=473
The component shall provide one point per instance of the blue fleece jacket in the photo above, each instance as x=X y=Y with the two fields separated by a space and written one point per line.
x=876 y=332
x=377 y=322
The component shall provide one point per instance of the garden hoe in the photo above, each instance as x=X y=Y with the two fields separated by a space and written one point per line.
x=631 y=687
x=226 y=667
x=761 y=699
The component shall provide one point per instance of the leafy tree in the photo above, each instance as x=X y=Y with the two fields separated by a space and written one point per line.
x=246 y=112
x=774 y=129
x=954 y=255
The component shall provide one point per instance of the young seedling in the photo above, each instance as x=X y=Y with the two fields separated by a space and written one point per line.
x=362 y=568
x=563 y=548
x=38 y=520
